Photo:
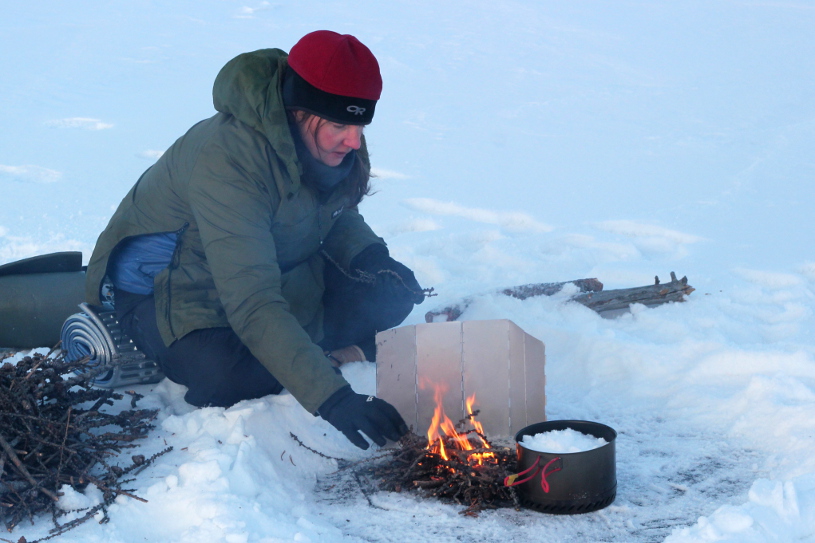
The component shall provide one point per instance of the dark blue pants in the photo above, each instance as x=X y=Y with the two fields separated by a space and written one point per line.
x=218 y=368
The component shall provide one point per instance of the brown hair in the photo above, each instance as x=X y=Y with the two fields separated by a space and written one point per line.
x=357 y=184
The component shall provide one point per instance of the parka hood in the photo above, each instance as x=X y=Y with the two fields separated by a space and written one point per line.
x=248 y=87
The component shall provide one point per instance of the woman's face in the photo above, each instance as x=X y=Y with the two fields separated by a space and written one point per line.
x=326 y=141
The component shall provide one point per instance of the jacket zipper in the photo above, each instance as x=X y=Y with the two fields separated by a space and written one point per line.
x=320 y=223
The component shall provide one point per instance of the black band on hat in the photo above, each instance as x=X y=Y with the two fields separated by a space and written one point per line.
x=300 y=94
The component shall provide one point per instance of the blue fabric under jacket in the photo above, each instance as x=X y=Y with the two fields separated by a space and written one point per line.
x=139 y=259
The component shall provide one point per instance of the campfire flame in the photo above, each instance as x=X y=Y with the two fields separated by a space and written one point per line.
x=442 y=427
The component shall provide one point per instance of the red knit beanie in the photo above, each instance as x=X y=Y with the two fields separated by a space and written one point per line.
x=334 y=76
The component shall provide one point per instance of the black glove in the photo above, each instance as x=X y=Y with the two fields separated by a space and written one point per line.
x=400 y=285
x=351 y=413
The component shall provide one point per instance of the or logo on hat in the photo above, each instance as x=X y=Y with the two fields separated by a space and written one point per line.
x=356 y=110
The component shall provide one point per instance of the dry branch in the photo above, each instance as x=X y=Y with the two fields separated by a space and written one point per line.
x=52 y=433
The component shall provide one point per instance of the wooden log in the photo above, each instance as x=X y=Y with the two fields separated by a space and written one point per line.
x=522 y=292
x=591 y=295
x=650 y=296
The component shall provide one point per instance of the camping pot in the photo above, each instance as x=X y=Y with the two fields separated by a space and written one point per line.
x=568 y=483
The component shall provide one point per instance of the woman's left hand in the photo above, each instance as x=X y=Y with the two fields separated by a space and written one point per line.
x=394 y=280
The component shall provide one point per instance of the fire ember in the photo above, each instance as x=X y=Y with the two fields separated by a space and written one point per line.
x=453 y=462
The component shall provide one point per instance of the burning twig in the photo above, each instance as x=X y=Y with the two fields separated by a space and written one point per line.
x=459 y=478
x=452 y=463
x=461 y=465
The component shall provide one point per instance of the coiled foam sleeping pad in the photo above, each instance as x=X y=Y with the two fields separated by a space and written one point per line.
x=95 y=334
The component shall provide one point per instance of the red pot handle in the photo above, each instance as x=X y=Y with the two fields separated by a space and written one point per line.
x=512 y=480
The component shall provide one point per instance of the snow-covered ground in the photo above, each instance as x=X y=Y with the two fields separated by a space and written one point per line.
x=515 y=142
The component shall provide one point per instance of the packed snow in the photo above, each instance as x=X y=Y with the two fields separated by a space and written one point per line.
x=515 y=142
x=562 y=441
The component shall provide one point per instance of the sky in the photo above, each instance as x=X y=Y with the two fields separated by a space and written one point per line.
x=515 y=142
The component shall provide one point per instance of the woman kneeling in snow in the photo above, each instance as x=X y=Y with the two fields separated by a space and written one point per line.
x=239 y=259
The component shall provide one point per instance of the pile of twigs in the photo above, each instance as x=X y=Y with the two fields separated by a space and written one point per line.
x=52 y=433
x=458 y=479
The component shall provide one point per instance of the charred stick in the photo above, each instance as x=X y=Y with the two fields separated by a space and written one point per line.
x=431 y=483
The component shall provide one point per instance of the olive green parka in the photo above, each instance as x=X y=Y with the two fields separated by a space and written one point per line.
x=249 y=233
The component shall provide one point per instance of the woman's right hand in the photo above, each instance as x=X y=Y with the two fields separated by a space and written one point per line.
x=352 y=413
